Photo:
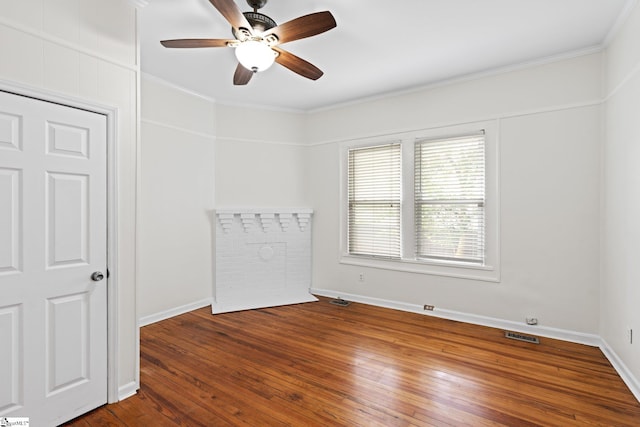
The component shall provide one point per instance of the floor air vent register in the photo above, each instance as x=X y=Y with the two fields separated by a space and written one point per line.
x=522 y=337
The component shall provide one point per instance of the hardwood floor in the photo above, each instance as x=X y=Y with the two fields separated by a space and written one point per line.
x=318 y=364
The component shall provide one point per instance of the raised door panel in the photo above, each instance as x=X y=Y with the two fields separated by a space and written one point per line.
x=67 y=140
x=10 y=131
x=67 y=219
x=68 y=341
x=10 y=358
x=10 y=218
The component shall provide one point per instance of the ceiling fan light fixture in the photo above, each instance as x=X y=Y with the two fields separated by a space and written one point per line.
x=255 y=56
x=258 y=37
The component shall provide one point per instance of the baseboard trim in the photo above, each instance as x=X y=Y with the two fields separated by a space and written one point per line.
x=176 y=311
x=543 y=331
x=629 y=379
x=128 y=390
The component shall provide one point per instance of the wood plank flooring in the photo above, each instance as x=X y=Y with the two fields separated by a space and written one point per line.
x=318 y=364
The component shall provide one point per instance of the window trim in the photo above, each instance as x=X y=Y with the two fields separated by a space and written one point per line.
x=490 y=271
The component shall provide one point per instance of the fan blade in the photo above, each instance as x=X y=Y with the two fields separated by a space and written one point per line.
x=298 y=65
x=242 y=76
x=231 y=13
x=302 y=27
x=195 y=43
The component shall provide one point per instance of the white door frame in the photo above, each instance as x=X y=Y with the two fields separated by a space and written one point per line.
x=111 y=114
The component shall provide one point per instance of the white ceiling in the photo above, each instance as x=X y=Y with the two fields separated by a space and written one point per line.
x=378 y=46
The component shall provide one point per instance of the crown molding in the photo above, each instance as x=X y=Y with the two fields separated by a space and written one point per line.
x=140 y=3
x=172 y=85
x=622 y=18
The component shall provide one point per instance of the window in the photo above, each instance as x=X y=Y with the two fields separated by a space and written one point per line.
x=424 y=202
x=450 y=198
x=374 y=201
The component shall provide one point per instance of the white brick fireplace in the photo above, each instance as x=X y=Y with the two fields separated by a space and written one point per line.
x=263 y=258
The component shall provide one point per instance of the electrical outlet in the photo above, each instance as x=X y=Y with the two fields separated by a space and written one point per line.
x=428 y=307
x=361 y=277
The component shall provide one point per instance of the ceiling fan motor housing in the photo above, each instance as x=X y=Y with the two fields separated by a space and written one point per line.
x=258 y=21
x=257 y=4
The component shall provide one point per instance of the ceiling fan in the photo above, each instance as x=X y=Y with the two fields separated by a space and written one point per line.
x=258 y=37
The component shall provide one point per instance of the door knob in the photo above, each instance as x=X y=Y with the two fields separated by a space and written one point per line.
x=97 y=276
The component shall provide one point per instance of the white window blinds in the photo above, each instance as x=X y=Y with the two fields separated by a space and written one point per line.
x=450 y=199
x=374 y=201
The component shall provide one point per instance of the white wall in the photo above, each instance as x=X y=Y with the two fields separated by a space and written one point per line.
x=621 y=203
x=548 y=118
x=176 y=226
x=260 y=158
x=87 y=50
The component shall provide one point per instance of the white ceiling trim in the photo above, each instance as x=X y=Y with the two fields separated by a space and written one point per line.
x=622 y=19
x=465 y=78
x=140 y=3
x=179 y=88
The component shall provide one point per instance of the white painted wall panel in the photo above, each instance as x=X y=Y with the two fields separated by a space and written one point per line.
x=260 y=174
x=115 y=24
x=258 y=125
x=27 y=13
x=176 y=227
x=623 y=55
x=160 y=101
x=549 y=215
x=88 y=80
x=177 y=191
x=62 y=19
x=63 y=68
x=103 y=28
x=621 y=205
x=22 y=56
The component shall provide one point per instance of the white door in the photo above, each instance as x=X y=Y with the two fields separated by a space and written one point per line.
x=53 y=237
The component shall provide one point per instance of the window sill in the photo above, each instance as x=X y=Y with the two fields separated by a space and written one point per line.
x=448 y=269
